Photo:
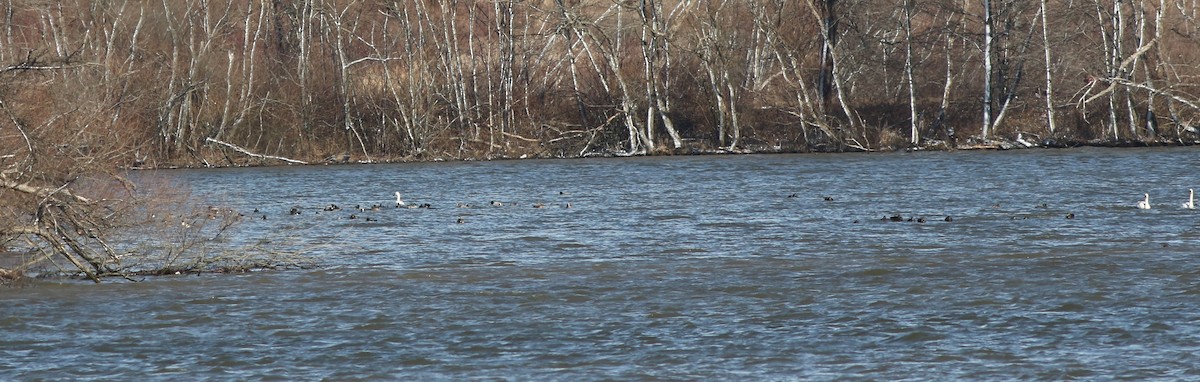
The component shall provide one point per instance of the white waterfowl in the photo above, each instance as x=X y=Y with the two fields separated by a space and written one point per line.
x=1145 y=203
x=1191 y=203
x=400 y=202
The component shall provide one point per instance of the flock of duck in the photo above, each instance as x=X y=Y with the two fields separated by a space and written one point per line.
x=1144 y=204
x=1141 y=204
x=400 y=203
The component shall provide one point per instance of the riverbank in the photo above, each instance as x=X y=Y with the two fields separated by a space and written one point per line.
x=241 y=158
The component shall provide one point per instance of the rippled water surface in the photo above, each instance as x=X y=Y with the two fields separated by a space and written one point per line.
x=678 y=268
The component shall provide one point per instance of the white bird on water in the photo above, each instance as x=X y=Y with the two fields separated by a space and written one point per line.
x=400 y=202
x=1145 y=203
x=1191 y=203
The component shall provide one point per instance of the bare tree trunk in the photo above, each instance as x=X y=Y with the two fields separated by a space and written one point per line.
x=1118 y=54
x=240 y=95
x=829 y=35
x=914 y=131
x=851 y=117
x=664 y=95
x=1049 y=75
x=249 y=55
x=1112 y=48
x=505 y=33
x=656 y=58
x=718 y=94
x=733 y=114
x=830 y=78
x=408 y=45
x=110 y=43
x=1012 y=73
x=343 y=64
x=628 y=107
x=987 y=68
x=454 y=65
x=649 y=52
x=568 y=28
x=1153 y=71
x=716 y=59
x=949 y=84
x=476 y=107
x=304 y=22
x=9 y=48
x=166 y=116
x=1149 y=117
x=492 y=83
x=804 y=109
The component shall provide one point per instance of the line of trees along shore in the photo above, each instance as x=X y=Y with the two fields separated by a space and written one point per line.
x=184 y=81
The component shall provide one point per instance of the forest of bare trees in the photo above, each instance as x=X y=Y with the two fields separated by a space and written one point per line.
x=224 y=82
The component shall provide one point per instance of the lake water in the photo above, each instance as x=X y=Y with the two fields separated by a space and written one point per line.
x=665 y=268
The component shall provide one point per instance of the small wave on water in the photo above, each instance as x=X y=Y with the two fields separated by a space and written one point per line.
x=696 y=268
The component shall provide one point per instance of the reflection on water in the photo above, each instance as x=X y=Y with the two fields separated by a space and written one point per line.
x=665 y=268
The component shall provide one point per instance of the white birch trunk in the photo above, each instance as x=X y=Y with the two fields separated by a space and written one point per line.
x=1049 y=75
x=302 y=65
x=914 y=131
x=987 y=68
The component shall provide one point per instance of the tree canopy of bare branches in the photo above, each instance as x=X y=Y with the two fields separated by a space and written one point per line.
x=234 y=82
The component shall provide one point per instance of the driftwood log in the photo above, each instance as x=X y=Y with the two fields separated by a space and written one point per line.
x=251 y=154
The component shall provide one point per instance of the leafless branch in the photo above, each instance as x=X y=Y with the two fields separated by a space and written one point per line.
x=251 y=154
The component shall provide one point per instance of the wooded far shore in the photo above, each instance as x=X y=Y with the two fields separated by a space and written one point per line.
x=189 y=83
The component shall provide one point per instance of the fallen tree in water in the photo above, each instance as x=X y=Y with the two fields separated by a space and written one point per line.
x=67 y=206
x=49 y=221
x=118 y=231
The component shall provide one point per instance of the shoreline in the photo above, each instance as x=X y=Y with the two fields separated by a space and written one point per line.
x=973 y=144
